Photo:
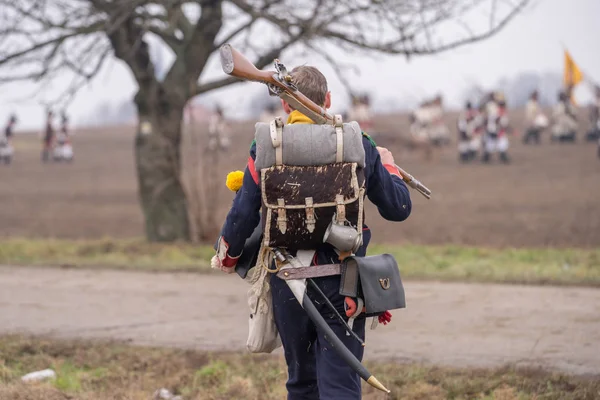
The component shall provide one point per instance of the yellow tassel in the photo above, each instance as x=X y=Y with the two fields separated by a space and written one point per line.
x=234 y=180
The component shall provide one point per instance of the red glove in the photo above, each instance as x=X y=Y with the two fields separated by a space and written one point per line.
x=385 y=318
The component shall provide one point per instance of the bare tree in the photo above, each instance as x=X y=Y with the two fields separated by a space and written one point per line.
x=41 y=40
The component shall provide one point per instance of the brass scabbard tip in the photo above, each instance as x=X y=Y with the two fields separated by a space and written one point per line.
x=377 y=385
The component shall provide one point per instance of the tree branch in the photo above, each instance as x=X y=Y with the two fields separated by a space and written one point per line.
x=55 y=41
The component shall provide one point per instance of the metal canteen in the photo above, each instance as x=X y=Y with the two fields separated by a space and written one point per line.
x=342 y=237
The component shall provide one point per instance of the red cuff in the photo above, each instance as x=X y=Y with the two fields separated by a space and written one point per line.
x=392 y=170
x=229 y=261
x=225 y=259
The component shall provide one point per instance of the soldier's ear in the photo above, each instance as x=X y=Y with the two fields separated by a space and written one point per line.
x=286 y=107
x=327 y=100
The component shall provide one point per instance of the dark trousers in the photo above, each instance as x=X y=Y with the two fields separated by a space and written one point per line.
x=532 y=135
x=315 y=372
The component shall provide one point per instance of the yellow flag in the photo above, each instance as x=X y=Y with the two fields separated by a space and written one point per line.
x=572 y=75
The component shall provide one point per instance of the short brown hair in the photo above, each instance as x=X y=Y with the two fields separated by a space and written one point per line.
x=311 y=83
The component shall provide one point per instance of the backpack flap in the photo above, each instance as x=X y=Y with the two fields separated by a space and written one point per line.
x=298 y=207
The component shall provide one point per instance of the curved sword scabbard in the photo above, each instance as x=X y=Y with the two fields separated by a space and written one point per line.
x=298 y=288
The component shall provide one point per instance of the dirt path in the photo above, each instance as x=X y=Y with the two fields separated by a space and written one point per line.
x=445 y=323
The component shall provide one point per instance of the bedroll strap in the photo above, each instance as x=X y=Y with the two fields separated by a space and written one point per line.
x=276 y=128
x=339 y=155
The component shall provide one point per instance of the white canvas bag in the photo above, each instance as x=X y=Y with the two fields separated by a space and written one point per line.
x=262 y=334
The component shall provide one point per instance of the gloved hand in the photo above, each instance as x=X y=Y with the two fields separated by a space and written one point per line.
x=385 y=318
x=222 y=260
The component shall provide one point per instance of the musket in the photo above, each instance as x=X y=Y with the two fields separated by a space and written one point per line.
x=280 y=84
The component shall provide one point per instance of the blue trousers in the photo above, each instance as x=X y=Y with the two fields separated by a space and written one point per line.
x=315 y=371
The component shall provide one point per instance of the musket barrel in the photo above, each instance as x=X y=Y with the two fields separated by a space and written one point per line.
x=414 y=183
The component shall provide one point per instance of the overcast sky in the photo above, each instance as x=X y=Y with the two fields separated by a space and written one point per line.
x=532 y=42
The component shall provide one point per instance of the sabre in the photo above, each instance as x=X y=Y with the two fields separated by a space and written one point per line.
x=298 y=288
x=280 y=84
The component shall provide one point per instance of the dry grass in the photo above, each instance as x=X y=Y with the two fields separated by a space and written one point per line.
x=107 y=253
x=448 y=263
x=547 y=197
x=100 y=370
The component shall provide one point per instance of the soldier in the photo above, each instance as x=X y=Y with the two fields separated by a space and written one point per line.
x=496 y=125
x=438 y=130
x=565 y=119
x=594 y=133
x=314 y=370
x=467 y=132
x=63 y=149
x=10 y=125
x=217 y=131
x=48 y=137
x=360 y=112
x=6 y=149
x=535 y=119
x=420 y=126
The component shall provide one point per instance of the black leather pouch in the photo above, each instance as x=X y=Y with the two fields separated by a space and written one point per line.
x=375 y=279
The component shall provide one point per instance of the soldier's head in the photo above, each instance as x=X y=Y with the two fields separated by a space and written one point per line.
x=468 y=105
x=311 y=83
x=534 y=95
x=562 y=95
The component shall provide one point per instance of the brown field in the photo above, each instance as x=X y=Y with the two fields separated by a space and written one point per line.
x=548 y=196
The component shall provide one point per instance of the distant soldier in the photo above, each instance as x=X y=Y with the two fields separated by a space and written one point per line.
x=438 y=131
x=6 y=149
x=217 y=131
x=63 y=149
x=63 y=134
x=48 y=137
x=535 y=119
x=420 y=124
x=496 y=120
x=361 y=112
x=10 y=125
x=565 y=119
x=467 y=133
x=594 y=133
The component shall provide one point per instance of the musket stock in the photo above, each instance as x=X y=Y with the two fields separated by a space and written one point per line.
x=235 y=64
x=280 y=84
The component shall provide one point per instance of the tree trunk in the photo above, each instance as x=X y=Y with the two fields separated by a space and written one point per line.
x=158 y=163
